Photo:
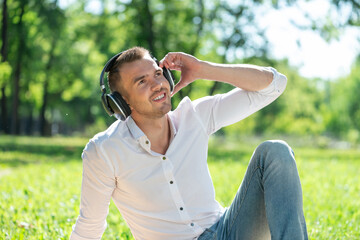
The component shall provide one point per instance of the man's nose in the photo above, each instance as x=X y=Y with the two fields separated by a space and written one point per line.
x=157 y=84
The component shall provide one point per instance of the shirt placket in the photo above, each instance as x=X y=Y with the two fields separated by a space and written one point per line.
x=145 y=144
x=174 y=189
x=176 y=196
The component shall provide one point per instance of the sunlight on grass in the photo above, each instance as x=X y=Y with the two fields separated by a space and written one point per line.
x=40 y=181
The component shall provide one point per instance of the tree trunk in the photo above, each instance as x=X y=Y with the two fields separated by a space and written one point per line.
x=4 y=48
x=4 y=117
x=15 y=126
x=148 y=27
x=29 y=129
x=43 y=123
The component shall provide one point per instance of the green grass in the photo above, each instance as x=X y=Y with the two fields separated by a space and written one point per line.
x=40 y=180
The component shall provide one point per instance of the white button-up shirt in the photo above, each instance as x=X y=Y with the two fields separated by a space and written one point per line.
x=169 y=196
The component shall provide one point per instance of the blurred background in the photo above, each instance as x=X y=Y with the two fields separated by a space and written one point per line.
x=52 y=53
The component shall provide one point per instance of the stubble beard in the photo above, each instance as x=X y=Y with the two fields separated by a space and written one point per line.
x=154 y=112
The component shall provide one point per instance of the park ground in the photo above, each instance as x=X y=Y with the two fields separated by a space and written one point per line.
x=40 y=181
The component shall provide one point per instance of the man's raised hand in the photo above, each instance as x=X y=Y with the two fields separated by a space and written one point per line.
x=187 y=64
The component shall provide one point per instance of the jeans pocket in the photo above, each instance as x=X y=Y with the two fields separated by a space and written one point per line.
x=208 y=234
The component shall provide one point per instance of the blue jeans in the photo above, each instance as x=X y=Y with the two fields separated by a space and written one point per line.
x=268 y=204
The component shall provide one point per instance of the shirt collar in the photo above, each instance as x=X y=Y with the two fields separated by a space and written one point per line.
x=134 y=129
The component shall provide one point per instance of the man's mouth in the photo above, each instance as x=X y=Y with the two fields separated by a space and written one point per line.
x=159 y=97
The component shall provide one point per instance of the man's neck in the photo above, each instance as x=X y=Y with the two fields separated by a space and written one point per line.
x=157 y=130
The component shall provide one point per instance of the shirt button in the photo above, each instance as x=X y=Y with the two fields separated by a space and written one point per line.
x=164 y=158
x=181 y=208
x=147 y=142
x=171 y=182
x=192 y=224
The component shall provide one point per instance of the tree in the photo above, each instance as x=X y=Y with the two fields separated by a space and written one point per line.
x=15 y=126
x=343 y=119
x=353 y=17
x=4 y=64
x=66 y=48
x=55 y=22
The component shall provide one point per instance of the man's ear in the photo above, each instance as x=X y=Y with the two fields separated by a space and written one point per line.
x=131 y=108
x=125 y=97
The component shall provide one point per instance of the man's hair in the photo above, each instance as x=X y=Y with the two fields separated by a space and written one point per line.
x=127 y=56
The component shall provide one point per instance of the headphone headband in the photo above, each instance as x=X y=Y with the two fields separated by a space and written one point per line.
x=106 y=69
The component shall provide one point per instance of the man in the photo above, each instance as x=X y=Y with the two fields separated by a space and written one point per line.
x=154 y=164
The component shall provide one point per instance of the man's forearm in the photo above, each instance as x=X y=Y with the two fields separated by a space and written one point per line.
x=244 y=76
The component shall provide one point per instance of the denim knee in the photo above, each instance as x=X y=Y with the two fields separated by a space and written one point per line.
x=277 y=150
x=277 y=145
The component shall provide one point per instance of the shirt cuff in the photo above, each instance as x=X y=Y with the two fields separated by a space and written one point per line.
x=277 y=86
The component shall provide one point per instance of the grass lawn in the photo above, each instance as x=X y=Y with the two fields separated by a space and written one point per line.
x=40 y=180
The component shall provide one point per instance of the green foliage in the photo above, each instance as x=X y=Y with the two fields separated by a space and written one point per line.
x=64 y=50
x=297 y=111
x=344 y=118
x=5 y=72
x=40 y=181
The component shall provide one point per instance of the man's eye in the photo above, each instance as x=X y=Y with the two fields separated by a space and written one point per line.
x=141 y=82
x=158 y=74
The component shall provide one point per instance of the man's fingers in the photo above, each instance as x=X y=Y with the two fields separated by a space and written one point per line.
x=162 y=63
x=178 y=87
x=172 y=61
x=165 y=61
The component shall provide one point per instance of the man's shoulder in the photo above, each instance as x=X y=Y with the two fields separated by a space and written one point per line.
x=185 y=102
x=114 y=130
x=95 y=153
x=184 y=106
x=186 y=111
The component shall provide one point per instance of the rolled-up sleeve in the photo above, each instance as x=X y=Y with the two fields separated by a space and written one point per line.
x=98 y=183
x=225 y=109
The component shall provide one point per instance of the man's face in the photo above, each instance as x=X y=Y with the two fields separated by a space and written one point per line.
x=145 y=88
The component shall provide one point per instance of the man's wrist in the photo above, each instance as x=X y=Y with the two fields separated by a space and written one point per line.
x=204 y=70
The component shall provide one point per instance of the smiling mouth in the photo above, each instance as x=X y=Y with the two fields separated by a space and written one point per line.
x=159 y=97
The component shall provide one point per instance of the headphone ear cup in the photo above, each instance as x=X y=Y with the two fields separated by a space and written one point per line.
x=169 y=77
x=105 y=103
x=167 y=74
x=118 y=105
